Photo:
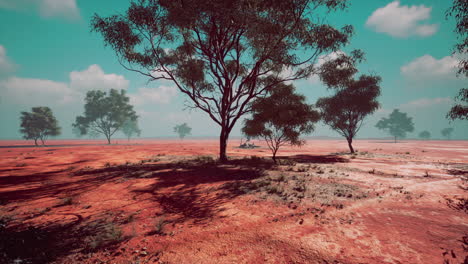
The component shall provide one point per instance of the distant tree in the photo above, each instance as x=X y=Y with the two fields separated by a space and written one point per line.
x=130 y=128
x=40 y=123
x=459 y=11
x=397 y=124
x=447 y=132
x=182 y=130
x=425 y=135
x=354 y=99
x=281 y=118
x=223 y=54
x=104 y=113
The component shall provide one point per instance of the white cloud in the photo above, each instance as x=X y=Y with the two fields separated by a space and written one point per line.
x=35 y=91
x=61 y=8
x=427 y=68
x=402 y=21
x=29 y=91
x=67 y=9
x=314 y=78
x=6 y=66
x=426 y=102
x=161 y=95
x=94 y=78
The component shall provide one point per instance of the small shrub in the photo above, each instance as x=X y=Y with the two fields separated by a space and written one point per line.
x=66 y=201
x=109 y=234
x=287 y=162
x=21 y=165
x=204 y=160
x=159 y=226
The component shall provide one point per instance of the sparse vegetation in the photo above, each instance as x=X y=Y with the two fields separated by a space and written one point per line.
x=107 y=234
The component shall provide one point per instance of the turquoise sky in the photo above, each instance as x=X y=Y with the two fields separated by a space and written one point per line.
x=48 y=56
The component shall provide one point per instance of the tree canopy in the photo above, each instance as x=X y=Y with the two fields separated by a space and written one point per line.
x=281 y=118
x=425 y=135
x=182 y=130
x=353 y=100
x=460 y=109
x=223 y=54
x=40 y=123
x=104 y=113
x=459 y=11
x=447 y=132
x=130 y=128
x=397 y=124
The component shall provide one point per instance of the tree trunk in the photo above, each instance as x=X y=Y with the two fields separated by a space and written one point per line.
x=223 y=138
x=108 y=139
x=350 y=142
x=35 y=141
x=274 y=156
x=395 y=139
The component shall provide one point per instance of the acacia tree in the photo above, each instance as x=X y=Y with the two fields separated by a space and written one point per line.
x=397 y=124
x=130 y=128
x=223 y=54
x=104 y=113
x=182 y=130
x=459 y=10
x=425 y=135
x=354 y=99
x=281 y=118
x=40 y=123
x=447 y=132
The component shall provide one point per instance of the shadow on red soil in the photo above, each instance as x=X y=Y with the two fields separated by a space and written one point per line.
x=52 y=241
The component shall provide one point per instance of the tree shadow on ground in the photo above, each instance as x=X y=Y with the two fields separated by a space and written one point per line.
x=45 y=244
x=190 y=190
x=303 y=158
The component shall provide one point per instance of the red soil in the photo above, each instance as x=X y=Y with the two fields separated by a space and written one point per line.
x=402 y=203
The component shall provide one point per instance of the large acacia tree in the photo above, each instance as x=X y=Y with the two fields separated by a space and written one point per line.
x=353 y=100
x=105 y=113
x=223 y=54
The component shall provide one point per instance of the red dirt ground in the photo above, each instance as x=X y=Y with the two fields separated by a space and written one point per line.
x=162 y=201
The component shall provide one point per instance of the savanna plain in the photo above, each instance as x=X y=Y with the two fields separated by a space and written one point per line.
x=170 y=201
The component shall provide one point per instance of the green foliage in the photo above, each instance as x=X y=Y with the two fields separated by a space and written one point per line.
x=447 y=132
x=223 y=54
x=104 y=113
x=130 y=128
x=40 y=123
x=397 y=124
x=280 y=118
x=460 y=110
x=425 y=134
x=182 y=130
x=459 y=11
x=354 y=99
